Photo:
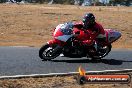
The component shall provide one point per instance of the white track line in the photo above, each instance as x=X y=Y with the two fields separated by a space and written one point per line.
x=62 y=74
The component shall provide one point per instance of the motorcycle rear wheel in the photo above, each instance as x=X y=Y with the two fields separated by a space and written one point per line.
x=46 y=52
x=101 y=53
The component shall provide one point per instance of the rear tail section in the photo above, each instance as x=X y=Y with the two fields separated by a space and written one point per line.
x=112 y=35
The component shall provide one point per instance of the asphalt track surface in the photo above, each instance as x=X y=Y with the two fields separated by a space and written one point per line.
x=25 y=61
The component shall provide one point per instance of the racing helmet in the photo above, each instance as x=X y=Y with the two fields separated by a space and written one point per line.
x=88 y=20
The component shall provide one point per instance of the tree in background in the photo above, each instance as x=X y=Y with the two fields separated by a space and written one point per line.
x=128 y=2
x=79 y=2
x=121 y=2
x=56 y=1
x=2 y=1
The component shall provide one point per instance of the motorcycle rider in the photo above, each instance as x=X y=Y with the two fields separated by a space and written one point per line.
x=91 y=28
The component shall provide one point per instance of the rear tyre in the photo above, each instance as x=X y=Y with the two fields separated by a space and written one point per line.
x=102 y=52
x=48 y=53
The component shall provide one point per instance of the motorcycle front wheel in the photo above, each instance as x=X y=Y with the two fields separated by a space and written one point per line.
x=48 y=52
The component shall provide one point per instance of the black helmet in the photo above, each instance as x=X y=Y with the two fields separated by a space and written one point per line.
x=88 y=20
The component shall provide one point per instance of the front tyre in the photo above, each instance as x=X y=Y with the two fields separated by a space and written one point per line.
x=48 y=52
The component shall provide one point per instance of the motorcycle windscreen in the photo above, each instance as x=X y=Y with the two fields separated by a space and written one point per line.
x=67 y=28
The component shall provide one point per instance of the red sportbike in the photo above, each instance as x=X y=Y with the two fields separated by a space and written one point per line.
x=68 y=41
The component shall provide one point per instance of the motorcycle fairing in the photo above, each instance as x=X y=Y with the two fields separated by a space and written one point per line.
x=64 y=38
x=55 y=41
x=112 y=35
x=64 y=31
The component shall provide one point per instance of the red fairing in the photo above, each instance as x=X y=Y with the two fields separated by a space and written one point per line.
x=55 y=41
x=57 y=33
x=50 y=42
